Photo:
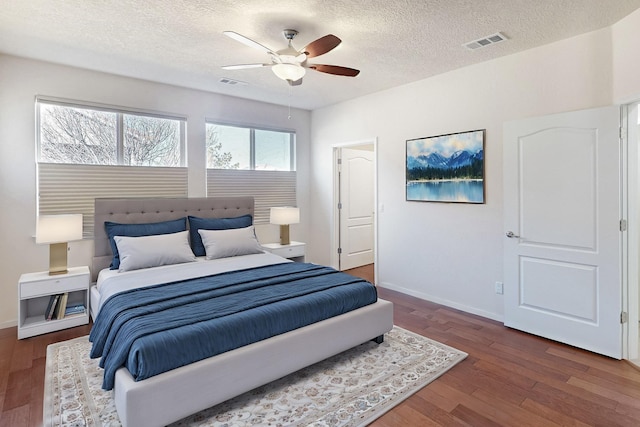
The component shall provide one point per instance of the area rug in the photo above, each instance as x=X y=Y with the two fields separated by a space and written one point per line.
x=350 y=389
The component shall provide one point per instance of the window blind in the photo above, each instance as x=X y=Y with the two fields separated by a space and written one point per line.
x=72 y=188
x=268 y=188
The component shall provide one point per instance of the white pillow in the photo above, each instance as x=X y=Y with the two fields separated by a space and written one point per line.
x=152 y=251
x=228 y=243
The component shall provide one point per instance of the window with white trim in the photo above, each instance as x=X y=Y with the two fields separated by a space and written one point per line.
x=235 y=147
x=88 y=151
x=247 y=161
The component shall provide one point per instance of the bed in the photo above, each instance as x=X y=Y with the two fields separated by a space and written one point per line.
x=172 y=395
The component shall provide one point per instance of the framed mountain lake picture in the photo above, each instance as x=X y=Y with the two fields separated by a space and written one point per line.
x=446 y=168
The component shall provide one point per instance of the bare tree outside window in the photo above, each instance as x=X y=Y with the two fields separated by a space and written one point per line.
x=216 y=158
x=150 y=141
x=76 y=135
x=238 y=147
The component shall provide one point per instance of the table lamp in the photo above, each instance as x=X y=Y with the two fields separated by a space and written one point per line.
x=284 y=216
x=57 y=230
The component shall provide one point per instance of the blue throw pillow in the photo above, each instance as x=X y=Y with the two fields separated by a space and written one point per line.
x=196 y=224
x=137 y=230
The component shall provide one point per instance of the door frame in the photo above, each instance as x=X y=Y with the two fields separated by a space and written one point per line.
x=335 y=240
x=631 y=242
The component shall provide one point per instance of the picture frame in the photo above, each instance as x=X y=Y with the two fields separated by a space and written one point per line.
x=446 y=168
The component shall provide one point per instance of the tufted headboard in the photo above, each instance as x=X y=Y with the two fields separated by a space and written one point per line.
x=143 y=210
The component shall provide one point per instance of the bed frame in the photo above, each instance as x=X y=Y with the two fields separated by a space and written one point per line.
x=168 y=397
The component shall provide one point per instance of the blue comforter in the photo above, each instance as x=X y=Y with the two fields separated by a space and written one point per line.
x=155 y=329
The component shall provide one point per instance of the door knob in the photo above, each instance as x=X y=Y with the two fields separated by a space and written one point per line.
x=511 y=235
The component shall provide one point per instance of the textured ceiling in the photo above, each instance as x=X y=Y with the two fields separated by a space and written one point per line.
x=180 y=42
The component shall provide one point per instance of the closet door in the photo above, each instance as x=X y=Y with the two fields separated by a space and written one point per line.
x=562 y=247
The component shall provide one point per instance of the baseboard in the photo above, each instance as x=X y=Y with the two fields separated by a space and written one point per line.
x=8 y=324
x=635 y=363
x=437 y=300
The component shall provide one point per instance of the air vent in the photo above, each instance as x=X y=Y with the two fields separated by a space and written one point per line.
x=485 y=41
x=232 y=82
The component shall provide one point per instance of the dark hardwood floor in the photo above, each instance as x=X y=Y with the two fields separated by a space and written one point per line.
x=509 y=378
x=22 y=364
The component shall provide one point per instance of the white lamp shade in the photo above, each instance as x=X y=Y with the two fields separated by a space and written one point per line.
x=284 y=216
x=59 y=228
x=291 y=72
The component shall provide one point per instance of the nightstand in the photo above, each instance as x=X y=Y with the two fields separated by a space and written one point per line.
x=35 y=290
x=294 y=251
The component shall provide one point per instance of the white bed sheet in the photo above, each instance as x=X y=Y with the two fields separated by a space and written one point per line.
x=111 y=282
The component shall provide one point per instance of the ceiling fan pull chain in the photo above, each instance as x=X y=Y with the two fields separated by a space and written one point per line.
x=289 y=103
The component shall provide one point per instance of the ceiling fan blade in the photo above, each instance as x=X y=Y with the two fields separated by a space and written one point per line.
x=321 y=46
x=335 y=69
x=243 y=66
x=296 y=83
x=247 y=41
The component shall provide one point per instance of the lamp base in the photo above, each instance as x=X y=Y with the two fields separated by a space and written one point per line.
x=58 y=258
x=284 y=234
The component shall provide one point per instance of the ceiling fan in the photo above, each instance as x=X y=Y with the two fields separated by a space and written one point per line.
x=290 y=64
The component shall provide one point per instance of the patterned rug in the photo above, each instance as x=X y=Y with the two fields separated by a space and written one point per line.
x=352 y=388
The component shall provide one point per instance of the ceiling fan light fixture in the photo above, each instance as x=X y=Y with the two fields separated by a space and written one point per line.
x=290 y=64
x=292 y=72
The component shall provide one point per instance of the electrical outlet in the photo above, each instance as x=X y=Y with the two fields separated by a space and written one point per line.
x=499 y=288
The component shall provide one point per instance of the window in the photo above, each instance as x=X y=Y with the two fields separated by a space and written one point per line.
x=88 y=151
x=273 y=150
x=232 y=147
x=79 y=135
x=228 y=147
x=253 y=162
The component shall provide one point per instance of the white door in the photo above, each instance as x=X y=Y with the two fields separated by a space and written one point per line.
x=562 y=248
x=356 y=208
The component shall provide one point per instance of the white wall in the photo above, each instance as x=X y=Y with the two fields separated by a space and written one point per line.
x=22 y=79
x=626 y=61
x=452 y=253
